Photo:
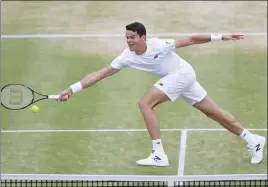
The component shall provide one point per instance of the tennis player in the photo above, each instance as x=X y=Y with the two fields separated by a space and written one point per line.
x=177 y=79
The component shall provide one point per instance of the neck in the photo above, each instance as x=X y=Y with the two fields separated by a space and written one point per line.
x=141 y=50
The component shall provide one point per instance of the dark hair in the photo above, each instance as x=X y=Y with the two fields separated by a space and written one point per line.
x=137 y=27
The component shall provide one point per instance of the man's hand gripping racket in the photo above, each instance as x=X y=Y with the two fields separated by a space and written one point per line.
x=65 y=95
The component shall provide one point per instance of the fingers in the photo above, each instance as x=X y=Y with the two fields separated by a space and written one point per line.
x=238 y=36
x=64 y=96
x=234 y=37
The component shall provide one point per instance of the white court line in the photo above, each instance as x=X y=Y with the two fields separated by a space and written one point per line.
x=182 y=154
x=116 y=35
x=111 y=130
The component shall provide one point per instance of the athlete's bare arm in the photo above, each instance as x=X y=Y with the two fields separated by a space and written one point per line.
x=90 y=80
x=204 y=38
x=94 y=77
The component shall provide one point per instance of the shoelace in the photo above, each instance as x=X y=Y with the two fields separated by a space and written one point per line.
x=249 y=152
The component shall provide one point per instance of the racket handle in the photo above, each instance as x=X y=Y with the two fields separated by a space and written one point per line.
x=53 y=96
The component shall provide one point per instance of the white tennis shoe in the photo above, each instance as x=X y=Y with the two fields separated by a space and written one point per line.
x=154 y=160
x=256 y=149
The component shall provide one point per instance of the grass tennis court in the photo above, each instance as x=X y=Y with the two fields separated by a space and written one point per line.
x=234 y=74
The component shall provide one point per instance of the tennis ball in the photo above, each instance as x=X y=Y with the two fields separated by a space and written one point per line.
x=34 y=109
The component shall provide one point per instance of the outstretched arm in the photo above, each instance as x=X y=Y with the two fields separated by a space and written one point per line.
x=87 y=81
x=204 y=38
x=93 y=78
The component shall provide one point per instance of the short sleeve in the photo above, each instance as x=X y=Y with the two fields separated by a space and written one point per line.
x=120 y=61
x=167 y=45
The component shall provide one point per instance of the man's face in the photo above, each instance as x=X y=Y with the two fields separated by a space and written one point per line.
x=134 y=40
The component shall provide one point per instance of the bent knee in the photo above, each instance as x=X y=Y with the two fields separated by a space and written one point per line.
x=144 y=104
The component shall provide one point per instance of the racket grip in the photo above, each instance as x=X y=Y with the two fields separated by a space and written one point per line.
x=53 y=96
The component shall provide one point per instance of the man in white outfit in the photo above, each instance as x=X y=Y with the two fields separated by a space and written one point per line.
x=177 y=79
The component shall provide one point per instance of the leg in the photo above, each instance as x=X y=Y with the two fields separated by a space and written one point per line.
x=197 y=96
x=210 y=109
x=167 y=88
x=147 y=103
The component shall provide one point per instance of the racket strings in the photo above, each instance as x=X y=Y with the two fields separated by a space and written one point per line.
x=16 y=96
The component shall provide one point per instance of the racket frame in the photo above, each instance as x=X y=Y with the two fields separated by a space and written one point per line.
x=33 y=94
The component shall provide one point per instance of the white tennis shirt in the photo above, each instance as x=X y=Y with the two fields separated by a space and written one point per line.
x=159 y=58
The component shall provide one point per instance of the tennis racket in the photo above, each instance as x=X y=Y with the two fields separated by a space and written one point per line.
x=19 y=96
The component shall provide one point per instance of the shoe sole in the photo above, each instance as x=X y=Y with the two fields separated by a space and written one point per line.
x=153 y=164
x=160 y=165
x=262 y=143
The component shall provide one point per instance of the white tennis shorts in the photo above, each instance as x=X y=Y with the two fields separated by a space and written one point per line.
x=182 y=83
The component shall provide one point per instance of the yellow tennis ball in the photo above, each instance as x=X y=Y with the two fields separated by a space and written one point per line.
x=34 y=109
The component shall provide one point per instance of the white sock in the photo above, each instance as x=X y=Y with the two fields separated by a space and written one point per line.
x=157 y=146
x=248 y=136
